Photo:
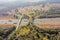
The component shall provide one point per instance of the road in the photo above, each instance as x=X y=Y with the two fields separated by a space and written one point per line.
x=25 y=21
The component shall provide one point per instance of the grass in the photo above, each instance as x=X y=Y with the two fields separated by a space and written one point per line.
x=40 y=31
x=33 y=33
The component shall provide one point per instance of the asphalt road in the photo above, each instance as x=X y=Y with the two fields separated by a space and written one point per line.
x=25 y=21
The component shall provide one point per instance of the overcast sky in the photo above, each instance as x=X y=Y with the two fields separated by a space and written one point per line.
x=21 y=0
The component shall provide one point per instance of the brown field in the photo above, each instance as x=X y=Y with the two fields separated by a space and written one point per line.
x=6 y=18
x=49 y=25
x=40 y=25
x=6 y=26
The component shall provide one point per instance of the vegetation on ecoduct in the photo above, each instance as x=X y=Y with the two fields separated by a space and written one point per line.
x=31 y=31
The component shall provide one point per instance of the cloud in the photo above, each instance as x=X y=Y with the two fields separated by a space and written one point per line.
x=7 y=0
x=21 y=0
x=32 y=0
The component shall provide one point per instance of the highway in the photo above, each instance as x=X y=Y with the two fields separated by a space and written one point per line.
x=25 y=21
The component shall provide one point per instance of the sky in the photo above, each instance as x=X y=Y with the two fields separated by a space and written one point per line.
x=21 y=0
